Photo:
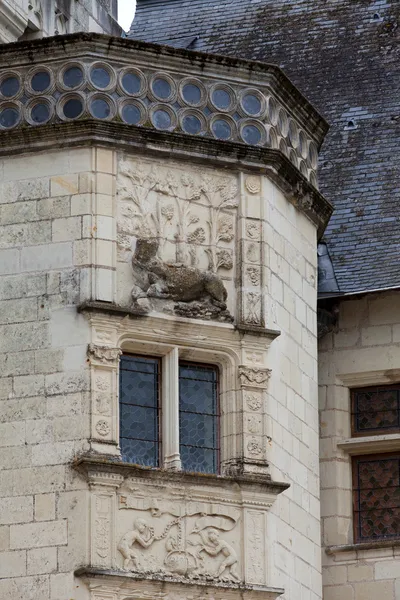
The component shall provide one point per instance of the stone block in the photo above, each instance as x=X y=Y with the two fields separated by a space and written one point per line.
x=52 y=453
x=18 y=212
x=4 y=538
x=105 y=253
x=105 y=160
x=17 y=311
x=23 y=336
x=12 y=434
x=25 y=588
x=38 y=535
x=49 y=361
x=85 y=182
x=20 y=286
x=29 y=385
x=45 y=507
x=376 y=336
x=105 y=205
x=28 y=189
x=374 y=590
x=105 y=228
x=12 y=564
x=17 y=363
x=9 y=261
x=25 y=234
x=54 y=208
x=38 y=480
x=16 y=510
x=41 y=560
x=80 y=159
x=5 y=387
x=75 y=357
x=104 y=184
x=68 y=229
x=68 y=328
x=15 y=455
x=342 y=592
x=61 y=586
x=347 y=338
x=61 y=406
x=39 y=431
x=67 y=383
x=361 y=572
x=387 y=569
x=63 y=185
x=384 y=309
x=46 y=257
x=81 y=204
x=71 y=428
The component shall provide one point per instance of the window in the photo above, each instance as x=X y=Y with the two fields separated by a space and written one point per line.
x=193 y=431
x=139 y=404
x=376 y=410
x=376 y=497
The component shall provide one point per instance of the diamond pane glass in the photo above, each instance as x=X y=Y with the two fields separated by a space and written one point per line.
x=376 y=410
x=198 y=417
x=376 y=483
x=139 y=409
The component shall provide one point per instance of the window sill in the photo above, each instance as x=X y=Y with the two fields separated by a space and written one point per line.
x=371 y=444
x=374 y=545
x=87 y=463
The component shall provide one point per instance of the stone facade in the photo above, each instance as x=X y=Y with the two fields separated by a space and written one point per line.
x=362 y=352
x=34 y=19
x=133 y=239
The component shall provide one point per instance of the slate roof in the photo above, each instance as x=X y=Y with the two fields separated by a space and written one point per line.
x=344 y=56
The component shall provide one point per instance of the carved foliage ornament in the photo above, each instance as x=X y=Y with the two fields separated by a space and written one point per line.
x=103 y=354
x=254 y=376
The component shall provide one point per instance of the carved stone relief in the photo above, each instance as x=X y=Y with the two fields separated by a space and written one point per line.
x=194 y=540
x=255 y=521
x=253 y=308
x=254 y=376
x=103 y=354
x=179 y=230
x=254 y=400
x=253 y=184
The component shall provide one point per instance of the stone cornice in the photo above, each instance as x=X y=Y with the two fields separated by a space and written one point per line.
x=270 y=162
x=259 y=483
x=124 y=49
x=197 y=589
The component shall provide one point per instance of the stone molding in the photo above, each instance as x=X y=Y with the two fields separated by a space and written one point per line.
x=373 y=444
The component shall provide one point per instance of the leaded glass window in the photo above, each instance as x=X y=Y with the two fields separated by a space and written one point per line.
x=198 y=417
x=376 y=497
x=376 y=410
x=139 y=410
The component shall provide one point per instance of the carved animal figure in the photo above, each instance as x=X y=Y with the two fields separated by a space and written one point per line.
x=175 y=281
x=213 y=545
x=141 y=534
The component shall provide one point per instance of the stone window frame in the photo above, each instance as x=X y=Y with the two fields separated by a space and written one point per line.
x=170 y=357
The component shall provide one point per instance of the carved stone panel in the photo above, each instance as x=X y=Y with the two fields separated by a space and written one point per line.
x=256 y=377
x=177 y=230
x=180 y=537
x=255 y=546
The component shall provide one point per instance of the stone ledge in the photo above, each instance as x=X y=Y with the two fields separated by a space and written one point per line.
x=121 y=580
x=373 y=545
x=371 y=444
x=261 y=482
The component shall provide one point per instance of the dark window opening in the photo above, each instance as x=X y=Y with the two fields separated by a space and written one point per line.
x=376 y=497
x=139 y=404
x=375 y=410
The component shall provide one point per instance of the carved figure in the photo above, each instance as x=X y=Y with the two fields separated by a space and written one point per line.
x=141 y=534
x=213 y=545
x=175 y=281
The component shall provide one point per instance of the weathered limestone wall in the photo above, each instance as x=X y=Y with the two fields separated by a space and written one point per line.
x=46 y=238
x=58 y=248
x=292 y=398
x=364 y=351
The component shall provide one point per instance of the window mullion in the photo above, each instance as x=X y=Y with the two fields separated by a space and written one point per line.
x=170 y=410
